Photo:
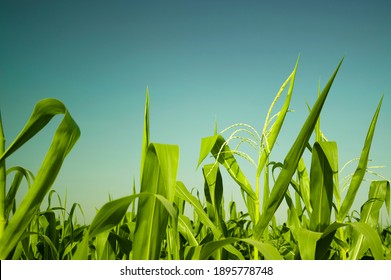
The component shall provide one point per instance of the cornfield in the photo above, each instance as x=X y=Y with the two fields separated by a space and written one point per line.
x=152 y=224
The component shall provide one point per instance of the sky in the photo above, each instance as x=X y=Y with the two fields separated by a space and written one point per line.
x=203 y=62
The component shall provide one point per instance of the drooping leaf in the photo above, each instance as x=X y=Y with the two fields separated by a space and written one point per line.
x=183 y=193
x=64 y=139
x=223 y=154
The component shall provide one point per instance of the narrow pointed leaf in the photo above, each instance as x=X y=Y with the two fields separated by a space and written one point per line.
x=292 y=159
x=359 y=174
x=145 y=140
x=271 y=139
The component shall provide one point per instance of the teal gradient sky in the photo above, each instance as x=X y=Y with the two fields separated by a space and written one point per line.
x=202 y=61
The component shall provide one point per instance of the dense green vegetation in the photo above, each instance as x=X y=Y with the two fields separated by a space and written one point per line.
x=152 y=223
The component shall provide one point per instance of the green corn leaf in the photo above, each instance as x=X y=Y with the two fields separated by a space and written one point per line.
x=183 y=193
x=371 y=237
x=292 y=159
x=370 y=213
x=323 y=244
x=266 y=249
x=207 y=145
x=145 y=140
x=50 y=250
x=200 y=253
x=358 y=175
x=103 y=250
x=214 y=195
x=82 y=248
x=186 y=229
x=209 y=193
x=304 y=185
x=233 y=215
x=214 y=190
x=213 y=186
x=210 y=247
x=64 y=139
x=10 y=199
x=192 y=252
x=234 y=252
x=330 y=150
x=293 y=218
x=298 y=204
x=51 y=231
x=125 y=245
x=111 y=214
x=378 y=193
x=159 y=177
x=307 y=241
x=275 y=130
x=324 y=158
x=223 y=154
x=43 y=112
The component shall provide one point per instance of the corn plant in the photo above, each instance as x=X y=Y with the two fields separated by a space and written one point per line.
x=315 y=232
x=159 y=165
x=151 y=222
x=66 y=135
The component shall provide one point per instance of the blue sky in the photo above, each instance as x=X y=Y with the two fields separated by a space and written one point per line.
x=202 y=61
